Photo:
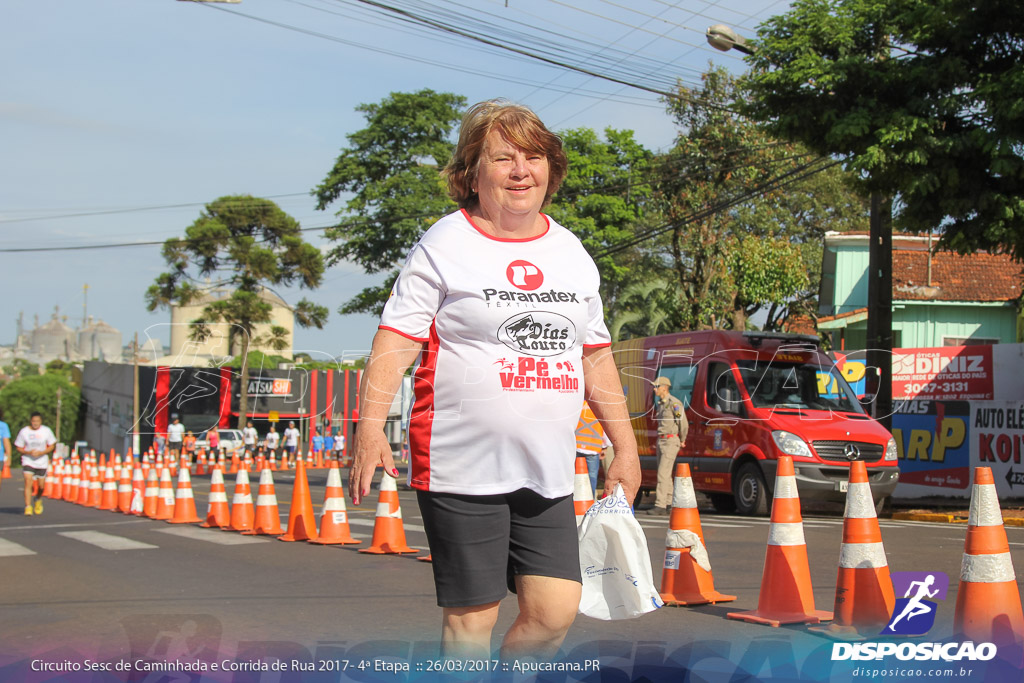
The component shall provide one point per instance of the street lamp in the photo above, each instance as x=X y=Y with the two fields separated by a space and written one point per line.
x=879 y=332
x=723 y=38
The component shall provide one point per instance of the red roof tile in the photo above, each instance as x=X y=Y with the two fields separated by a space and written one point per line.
x=974 y=277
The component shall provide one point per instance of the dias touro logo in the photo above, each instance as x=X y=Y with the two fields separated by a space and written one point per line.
x=524 y=275
x=538 y=333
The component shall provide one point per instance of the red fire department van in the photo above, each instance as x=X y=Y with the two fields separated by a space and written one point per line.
x=751 y=397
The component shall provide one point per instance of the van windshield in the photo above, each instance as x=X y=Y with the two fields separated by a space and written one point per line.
x=806 y=386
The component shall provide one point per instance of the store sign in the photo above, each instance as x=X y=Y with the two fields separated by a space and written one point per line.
x=955 y=372
x=270 y=387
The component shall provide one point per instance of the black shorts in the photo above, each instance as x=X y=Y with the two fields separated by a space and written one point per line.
x=478 y=544
x=39 y=472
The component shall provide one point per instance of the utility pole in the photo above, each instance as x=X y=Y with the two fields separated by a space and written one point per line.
x=879 y=355
x=136 y=443
x=59 y=391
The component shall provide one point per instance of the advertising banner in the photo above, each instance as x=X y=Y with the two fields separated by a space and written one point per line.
x=947 y=372
x=933 y=447
x=996 y=441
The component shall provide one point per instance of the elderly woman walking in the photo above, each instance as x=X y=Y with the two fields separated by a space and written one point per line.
x=500 y=306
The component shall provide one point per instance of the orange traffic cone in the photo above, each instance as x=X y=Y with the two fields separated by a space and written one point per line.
x=58 y=480
x=151 y=494
x=241 y=504
x=124 y=490
x=184 y=500
x=686 y=577
x=73 y=484
x=334 y=518
x=864 y=593
x=582 y=493
x=988 y=607
x=51 y=473
x=165 y=498
x=6 y=473
x=95 y=487
x=108 y=494
x=301 y=522
x=217 y=513
x=138 y=492
x=273 y=461
x=234 y=463
x=201 y=463
x=388 y=531
x=268 y=517
x=786 y=596
x=84 y=484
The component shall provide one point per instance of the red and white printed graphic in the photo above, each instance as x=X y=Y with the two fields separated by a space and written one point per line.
x=524 y=275
x=950 y=373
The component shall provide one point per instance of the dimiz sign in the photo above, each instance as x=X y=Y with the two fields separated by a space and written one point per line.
x=269 y=387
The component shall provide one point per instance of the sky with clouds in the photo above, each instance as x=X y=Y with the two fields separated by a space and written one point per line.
x=120 y=119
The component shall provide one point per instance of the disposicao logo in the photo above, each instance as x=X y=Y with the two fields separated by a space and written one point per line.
x=914 y=615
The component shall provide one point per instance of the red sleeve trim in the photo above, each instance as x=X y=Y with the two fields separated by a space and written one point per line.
x=597 y=346
x=403 y=334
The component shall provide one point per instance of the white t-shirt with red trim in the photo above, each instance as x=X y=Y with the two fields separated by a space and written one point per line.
x=499 y=386
x=35 y=440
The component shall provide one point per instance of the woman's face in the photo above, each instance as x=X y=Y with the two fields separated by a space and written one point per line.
x=510 y=180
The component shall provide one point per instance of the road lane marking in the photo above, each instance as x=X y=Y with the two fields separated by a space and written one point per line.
x=211 y=536
x=106 y=541
x=12 y=549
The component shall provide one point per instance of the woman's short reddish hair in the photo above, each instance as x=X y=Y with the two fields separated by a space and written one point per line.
x=519 y=126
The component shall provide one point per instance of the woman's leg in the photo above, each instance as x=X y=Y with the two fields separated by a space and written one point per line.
x=466 y=631
x=547 y=608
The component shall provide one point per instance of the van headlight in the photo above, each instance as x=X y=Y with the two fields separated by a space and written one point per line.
x=890 y=450
x=791 y=444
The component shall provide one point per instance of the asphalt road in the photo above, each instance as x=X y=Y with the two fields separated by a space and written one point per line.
x=81 y=586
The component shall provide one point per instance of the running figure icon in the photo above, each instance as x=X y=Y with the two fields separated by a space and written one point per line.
x=915 y=606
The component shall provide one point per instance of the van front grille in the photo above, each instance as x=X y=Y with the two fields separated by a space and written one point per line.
x=837 y=450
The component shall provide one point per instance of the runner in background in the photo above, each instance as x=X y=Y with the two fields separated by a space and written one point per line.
x=5 y=442
x=35 y=443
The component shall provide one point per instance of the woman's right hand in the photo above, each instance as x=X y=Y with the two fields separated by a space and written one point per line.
x=371 y=449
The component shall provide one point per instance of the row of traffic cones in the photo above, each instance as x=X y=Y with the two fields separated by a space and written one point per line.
x=988 y=606
x=147 y=490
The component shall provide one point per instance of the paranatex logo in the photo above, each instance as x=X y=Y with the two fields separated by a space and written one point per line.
x=914 y=615
x=524 y=275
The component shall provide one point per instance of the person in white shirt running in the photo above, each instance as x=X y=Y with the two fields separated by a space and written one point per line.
x=175 y=436
x=271 y=440
x=35 y=443
x=291 y=442
x=501 y=307
x=249 y=437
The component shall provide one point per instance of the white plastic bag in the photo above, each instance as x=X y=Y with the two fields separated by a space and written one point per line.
x=617 y=578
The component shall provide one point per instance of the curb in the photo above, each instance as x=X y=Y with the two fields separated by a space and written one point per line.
x=948 y=518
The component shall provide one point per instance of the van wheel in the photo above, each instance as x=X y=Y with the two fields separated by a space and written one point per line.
x=723 y=503
x=750 y=491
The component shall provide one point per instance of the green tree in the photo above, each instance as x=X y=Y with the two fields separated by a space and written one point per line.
x=19 y=367
x=920 y=99
x=38 y=393
x=392 y=172
x=248 y=244
x=730 y=181
x=605 y=196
